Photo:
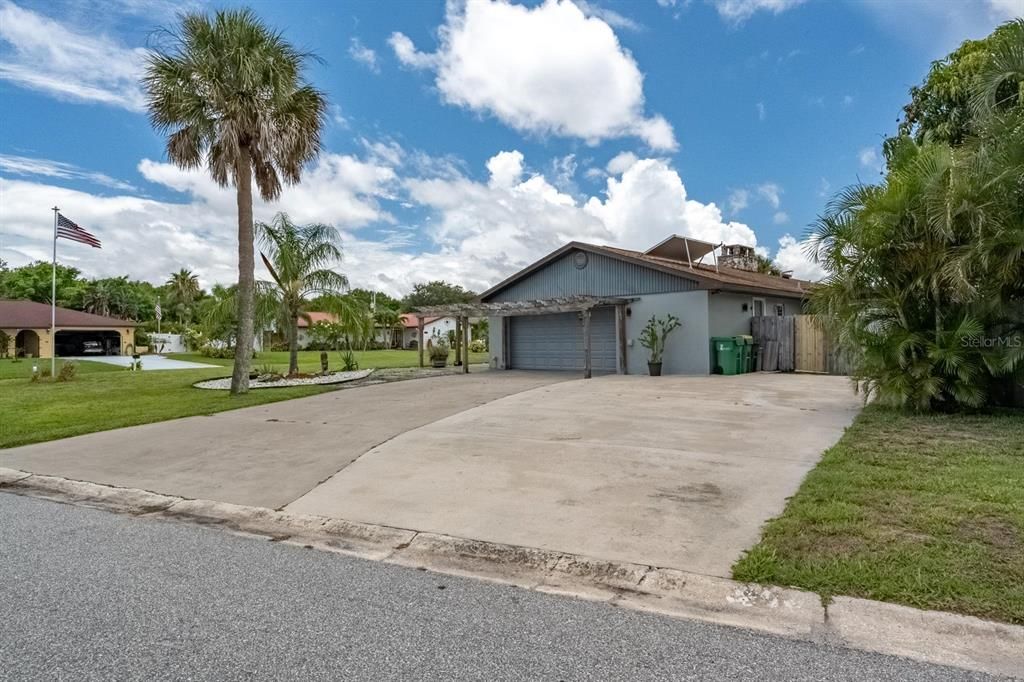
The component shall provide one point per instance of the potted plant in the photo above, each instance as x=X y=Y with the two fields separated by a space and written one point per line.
x=438 y=349
x=653 y=339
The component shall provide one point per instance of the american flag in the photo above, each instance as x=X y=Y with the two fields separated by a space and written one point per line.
x=69 y=230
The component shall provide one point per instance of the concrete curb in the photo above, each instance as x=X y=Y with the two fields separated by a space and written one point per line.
x=929 y=636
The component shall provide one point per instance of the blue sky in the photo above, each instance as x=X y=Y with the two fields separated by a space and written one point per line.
x=467 y=139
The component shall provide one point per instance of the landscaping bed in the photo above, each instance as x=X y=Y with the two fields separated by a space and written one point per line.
x=284 y=382
x=923 y=510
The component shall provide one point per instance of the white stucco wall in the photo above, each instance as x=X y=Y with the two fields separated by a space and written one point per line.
x=441 y=326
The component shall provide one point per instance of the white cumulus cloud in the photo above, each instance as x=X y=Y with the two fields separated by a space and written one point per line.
x=649 y=202
x=474 y=232
x=738 y=11
x=549 y=69
x=39 y=53
x=739 y=199
x=792 y=256
x=621 y=162
x=506 y=168
x=363 y=54
x=770 y=192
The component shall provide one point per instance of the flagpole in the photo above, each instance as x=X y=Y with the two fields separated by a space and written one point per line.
x=53 y=301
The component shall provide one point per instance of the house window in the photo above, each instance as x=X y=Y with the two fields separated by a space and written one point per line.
x=780 y=310
x=758 y=306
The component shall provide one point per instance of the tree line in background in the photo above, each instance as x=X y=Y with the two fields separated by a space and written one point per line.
x=301 y=260
x=925 y=289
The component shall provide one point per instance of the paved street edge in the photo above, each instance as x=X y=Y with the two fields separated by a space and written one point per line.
x=929 y=636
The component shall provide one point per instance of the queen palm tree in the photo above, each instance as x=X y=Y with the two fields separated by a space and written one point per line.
x=184 y=290
x=229 y=93
x=389 y=320
x=299 y=258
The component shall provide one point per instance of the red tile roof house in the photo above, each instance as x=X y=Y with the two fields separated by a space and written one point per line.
x=431 y=325
x=305 y=324
x=27 y=326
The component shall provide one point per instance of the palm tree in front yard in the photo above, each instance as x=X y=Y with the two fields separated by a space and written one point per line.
x=299 y=258
x=230 y=95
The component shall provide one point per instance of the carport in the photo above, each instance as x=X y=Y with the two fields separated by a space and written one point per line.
x=74 y=342
x=550 y=321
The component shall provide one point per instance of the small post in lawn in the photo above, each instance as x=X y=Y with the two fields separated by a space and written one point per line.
x=465 y=345
x=419 y=337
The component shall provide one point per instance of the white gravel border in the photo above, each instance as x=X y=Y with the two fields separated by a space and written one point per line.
x=332 y=378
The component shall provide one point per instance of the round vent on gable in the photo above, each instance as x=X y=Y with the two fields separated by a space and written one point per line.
x=579 y=259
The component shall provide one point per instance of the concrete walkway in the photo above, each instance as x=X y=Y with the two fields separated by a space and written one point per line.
x=149 y=362
x=268 y=455
x=676 y=472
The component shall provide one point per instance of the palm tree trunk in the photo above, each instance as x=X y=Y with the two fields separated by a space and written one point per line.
x=293 y=345
x=246 y=274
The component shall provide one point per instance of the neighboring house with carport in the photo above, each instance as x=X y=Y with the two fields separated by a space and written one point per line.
x=537 y=313
x=27 y=325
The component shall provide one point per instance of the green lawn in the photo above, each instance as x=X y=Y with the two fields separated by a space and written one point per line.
x=926 y=511
x=107 y=397
x=10 y=369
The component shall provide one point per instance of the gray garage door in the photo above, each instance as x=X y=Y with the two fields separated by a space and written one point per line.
x=556 y=341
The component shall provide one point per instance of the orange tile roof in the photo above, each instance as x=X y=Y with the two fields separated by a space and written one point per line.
x=409 y=320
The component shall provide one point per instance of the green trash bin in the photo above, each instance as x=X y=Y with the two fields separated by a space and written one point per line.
x=725 y=355
x=746 y=344
x=741 y=360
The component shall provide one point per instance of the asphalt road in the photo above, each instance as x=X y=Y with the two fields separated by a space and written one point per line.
x=86 y=594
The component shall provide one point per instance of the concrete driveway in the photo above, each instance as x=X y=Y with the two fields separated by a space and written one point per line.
x=268 y=455
x=149 y=362
x=676 y=472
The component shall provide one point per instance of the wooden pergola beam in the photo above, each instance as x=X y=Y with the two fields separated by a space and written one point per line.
x=570 y=304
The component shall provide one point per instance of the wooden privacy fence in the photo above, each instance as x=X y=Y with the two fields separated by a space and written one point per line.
x=795 y=343
x=774 y=336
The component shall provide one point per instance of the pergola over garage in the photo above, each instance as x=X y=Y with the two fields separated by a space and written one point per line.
x=583 y=305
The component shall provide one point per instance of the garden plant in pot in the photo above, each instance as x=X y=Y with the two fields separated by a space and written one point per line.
x=438 y=349
x=653 y=339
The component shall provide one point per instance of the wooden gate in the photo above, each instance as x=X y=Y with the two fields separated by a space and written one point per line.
x=795 y=343
x=774 y=337
x=815 y=350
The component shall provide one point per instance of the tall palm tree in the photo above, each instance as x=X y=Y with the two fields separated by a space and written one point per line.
x=229 y=93
x=299 y=258
x=184 y=290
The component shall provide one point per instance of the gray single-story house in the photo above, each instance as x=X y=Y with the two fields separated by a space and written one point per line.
x=710 y=299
